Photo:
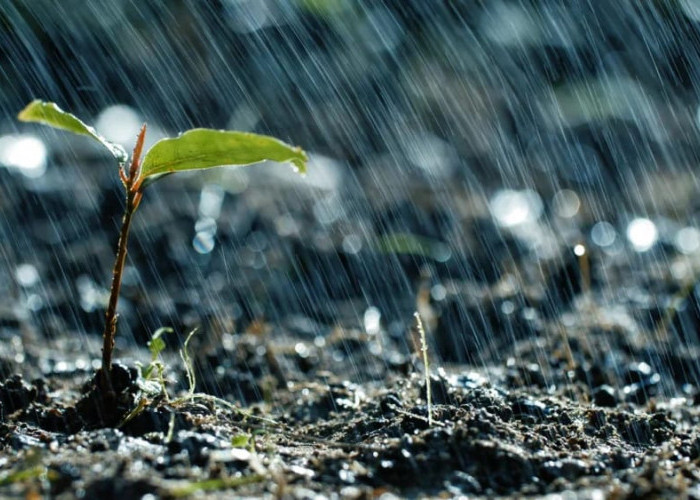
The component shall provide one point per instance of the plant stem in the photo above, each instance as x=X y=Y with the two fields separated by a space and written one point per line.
x=129 y=179
x=111 y=315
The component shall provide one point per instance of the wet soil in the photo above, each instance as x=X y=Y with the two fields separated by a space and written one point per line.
x=543 y=379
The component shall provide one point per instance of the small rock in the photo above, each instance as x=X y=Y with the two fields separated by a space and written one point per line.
x=605 y=396
x=461 y=483
x=567 y=468
x=526 y=407
x=389 y=403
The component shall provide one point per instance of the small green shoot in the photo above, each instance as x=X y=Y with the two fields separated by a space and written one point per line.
x=31 y=468
x=142 y=404
x=193 y=150
x=152 y=381
x=213 y=485
x=20 y=476
x=155 y=373
x=154 y=370
x=241 y=441
x=187 y=361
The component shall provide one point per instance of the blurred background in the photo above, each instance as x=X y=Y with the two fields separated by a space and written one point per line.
x=493 y=164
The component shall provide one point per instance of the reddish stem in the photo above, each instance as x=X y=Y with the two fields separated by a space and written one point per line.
x=111 y=315
x=133 y=198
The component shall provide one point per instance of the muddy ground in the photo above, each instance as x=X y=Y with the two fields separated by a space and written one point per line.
x=548 y=375
x=552 y=375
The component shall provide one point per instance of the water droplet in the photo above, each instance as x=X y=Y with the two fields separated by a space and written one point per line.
x=286 y=225
x=512 y=208
x=92 y=297
x=34 y=302
x=119 y=123
x=603 y=234
x=26 y=275
x=328 y=210
x=430 y=153
x=203 y=242
x=438 y=292
x=301 y=349
x=507 y=307
x=688 y=240
x=642 y=234
x=352 y=244
x=25 y=153
x=440 y=252
x=580 y=250
x=210 y=200
x=566 y=203
x=372 y=320
x=205 y=225
x=529 y=313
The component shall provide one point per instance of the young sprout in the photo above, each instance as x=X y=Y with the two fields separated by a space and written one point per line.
x=192 y=150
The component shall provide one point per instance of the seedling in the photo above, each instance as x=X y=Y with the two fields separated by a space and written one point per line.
x=153 y=384
x=193 y=150
x=153 y=372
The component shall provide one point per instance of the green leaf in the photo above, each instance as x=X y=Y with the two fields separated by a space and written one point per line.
x=223 y=483
x=48 y=113
x=240 y=441
x=411 y=244
x=157 y=344
x=187 y=361
x=205 y=148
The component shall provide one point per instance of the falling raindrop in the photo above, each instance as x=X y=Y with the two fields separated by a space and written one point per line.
x=26 y=275
x=688 y=240
x=507 y=307
x=642 y=234
x=430 y=153
x=25 y=153
x=352 y=243
x=438 y=292
x=210 y=200
x=512 y=208
x=34 y=302
x=372 y=320
x=566 y=203
x=92 y=297
x=603 y=234
x=205 y=225
x=119 y=124
x=203 y=242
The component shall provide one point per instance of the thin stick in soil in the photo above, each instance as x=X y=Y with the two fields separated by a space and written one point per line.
x=426 y=366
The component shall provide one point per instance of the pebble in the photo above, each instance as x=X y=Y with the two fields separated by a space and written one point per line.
x=605 y=396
